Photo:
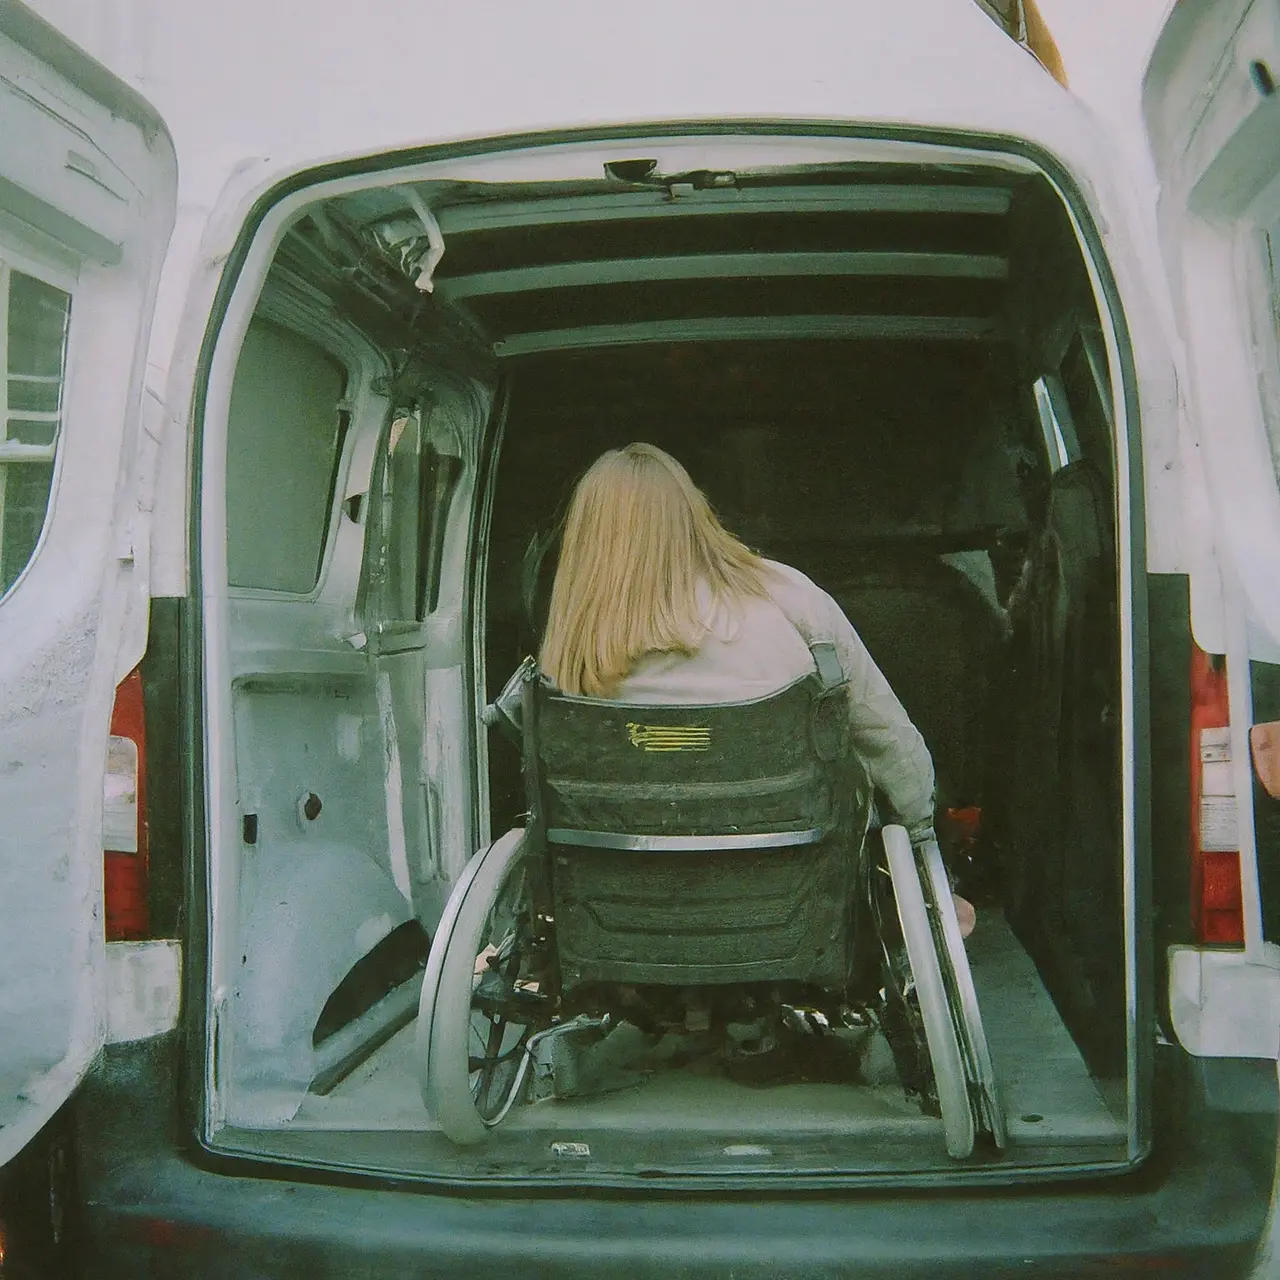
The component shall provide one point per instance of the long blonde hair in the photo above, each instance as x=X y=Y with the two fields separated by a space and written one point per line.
x=639 y=539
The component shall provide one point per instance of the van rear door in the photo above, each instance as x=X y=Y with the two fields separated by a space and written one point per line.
x=88 y=183
x=1211 y=101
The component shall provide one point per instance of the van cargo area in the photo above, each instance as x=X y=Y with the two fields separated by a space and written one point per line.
x=891 y=373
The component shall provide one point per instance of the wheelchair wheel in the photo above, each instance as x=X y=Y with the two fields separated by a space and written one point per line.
x=479 y=1005
x=962 y=998
x=930 y=996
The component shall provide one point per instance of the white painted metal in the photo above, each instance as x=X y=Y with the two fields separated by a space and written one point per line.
x=1226 y=1004
x=1215 y=136
x=833 y=60
x=1217 y=150
x=87 y=185
x=143 y=988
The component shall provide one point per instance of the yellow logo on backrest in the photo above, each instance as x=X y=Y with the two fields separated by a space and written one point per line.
x=669 y=737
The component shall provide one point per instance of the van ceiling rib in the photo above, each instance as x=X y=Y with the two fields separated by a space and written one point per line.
x=633 y=205
x=739 y=328
x=721 y=266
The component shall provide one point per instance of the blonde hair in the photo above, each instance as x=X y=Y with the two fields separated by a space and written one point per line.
x=639 y=539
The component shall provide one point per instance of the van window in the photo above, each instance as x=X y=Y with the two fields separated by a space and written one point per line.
x=285 y=436
x=33 y=339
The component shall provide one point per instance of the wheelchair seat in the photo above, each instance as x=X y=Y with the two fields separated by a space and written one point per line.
x=717 y=849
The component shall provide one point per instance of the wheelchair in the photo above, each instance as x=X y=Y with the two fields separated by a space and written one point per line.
x=703 y=860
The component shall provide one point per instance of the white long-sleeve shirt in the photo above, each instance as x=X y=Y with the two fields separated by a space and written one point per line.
x=757 y=646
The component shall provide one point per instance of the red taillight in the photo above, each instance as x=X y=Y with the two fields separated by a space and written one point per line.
x=1217 y=912
x=124 y=816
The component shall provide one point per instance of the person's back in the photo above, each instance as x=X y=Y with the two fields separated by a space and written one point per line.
x=750 y=649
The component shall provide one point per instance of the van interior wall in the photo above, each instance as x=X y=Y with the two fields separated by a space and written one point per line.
x=349 y=684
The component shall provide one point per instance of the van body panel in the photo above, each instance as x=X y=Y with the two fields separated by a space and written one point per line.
x=1217 y=156
x=568 y=66
x=87 y=188
x=1211 y=112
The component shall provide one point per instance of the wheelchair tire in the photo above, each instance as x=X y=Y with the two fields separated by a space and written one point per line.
x=962 y=997
x=447 y=1016
x=939 y=1023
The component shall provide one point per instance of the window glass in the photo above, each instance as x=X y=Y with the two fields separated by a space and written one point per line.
x=285 y=435
x=33 y=341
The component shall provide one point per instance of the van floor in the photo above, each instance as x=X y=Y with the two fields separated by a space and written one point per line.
x=1049 y=1097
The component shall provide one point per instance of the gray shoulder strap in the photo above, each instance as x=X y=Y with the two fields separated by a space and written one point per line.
x=827 y=661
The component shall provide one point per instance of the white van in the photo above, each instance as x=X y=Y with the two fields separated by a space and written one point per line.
x=300 y=363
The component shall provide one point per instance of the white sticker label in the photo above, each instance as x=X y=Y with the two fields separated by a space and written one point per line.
x=1219 y=831
x=571 y=1148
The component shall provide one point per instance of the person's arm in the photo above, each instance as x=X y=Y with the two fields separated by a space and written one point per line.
x=890 y=746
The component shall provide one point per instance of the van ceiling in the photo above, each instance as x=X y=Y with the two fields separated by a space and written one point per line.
x=880 y=252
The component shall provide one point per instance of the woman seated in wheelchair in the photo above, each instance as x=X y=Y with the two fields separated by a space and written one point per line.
x=696 y=868
x=654 y=601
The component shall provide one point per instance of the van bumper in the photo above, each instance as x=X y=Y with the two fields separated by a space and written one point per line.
x=1197 y=1209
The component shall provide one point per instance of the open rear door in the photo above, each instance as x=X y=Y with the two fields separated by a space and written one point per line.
x=1211 y=100
x=87 y=190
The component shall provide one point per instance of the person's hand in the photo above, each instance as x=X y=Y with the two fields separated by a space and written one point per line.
x=965 y=913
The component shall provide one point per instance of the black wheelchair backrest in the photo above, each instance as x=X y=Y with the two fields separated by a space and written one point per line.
x=695 y=844
x=645 y=775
